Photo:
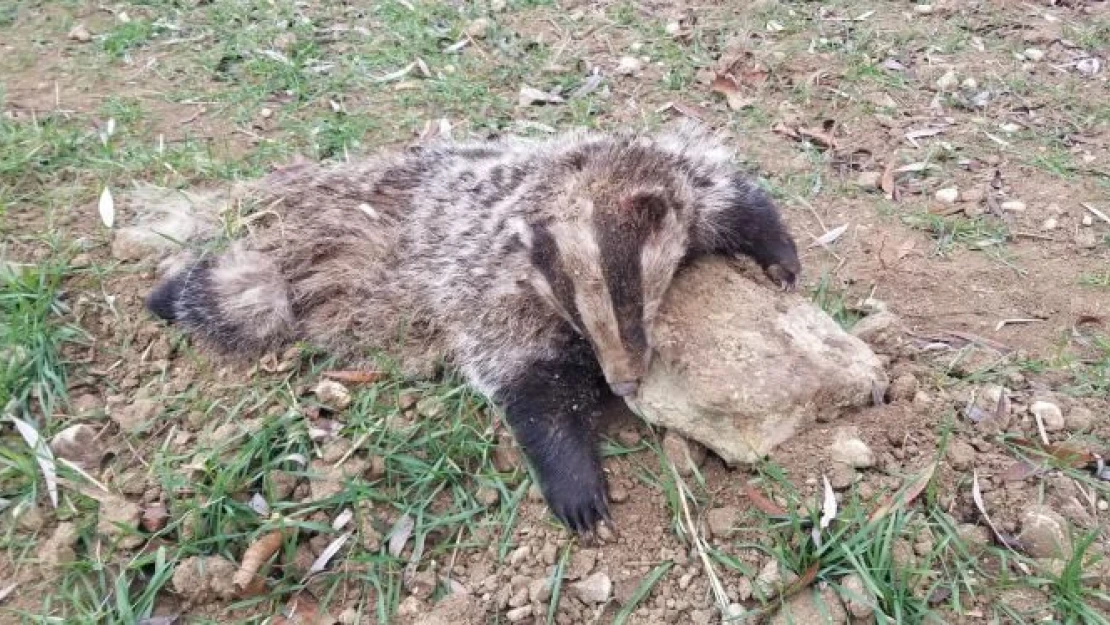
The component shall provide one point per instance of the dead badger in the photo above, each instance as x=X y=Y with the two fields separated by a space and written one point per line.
x=537 y=268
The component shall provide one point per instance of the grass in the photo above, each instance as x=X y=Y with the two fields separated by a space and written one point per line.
x=199 y=77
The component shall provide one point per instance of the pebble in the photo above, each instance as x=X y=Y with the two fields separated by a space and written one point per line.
x=520 y=554
x=487 y=496
x=1044 y=533
x=1014 y=206
x=629 y=65
x=80 y=34
x=948 y=195
x=969 y=84
x=1050 y=224
x=869 y=179
x=1087 y=220
x=685 y=455
x=617 y=494
x=841 y=476
x=479 y=28
x=539 y=591
x=1049 y=414
x=594 y=589
x=517 y=615
x=1088 y=66
x=961 y=455
x=1103 y=505
x=1034 y=54
x=1079 y=419
x=974 y=195
x=948 y=81
x=629 y=437
x=721 y=521
x=856 y=598
x=332 y=394
x=581 y=563
x=847 y=448
x=924 y=9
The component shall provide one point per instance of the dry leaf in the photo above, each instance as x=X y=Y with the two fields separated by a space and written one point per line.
x=107 y=208
x=887 y=182
x=762 y=503
x=822 y=138
x=531 y=96
x=7 y=591
x=255 y=556
x=727 y=86
x=327 y=554
x=400 y=534
x=302 y=609
x=906 y=495
x=977 y=496
x=354 y=376
x=397 y=75
x=43 y=455
x=341 y=521
x=830 y=236
x=259 y=504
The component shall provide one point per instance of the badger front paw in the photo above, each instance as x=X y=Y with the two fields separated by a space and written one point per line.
x=577 y=498
x=784 y=275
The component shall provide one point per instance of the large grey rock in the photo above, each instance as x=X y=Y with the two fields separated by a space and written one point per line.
x=164 y=219
x=740 y=366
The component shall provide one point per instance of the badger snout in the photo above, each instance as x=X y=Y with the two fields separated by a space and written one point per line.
x=626 y=388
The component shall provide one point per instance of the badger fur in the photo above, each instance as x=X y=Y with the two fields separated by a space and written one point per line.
x=535 y=267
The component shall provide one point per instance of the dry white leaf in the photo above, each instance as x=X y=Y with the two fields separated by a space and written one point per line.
x=327 y=554
x=342 y=520
x=828 y=509
x=400 y=534
x=830 y=236
x=401 y=73
x=7 y=591
x=458 y=45
x=107 y=208
x=259 y=504
x=42 y=453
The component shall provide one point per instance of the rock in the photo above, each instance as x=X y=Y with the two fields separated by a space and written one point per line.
x=1013 y=206
x=1088 y=66
x=628 y=437
x=976 y=537
x=328 y=480
x=202 y=579
x=685 y=456
x=961 y=455
x=948 y=195
x=948 y=81
x=924 y=9
x=881 y=330
x=771 y=579
x=517 y=615
x=629 y=65
x=1079 y=419
x=857 y=599
x=582 y=563
x=721 y=521
x=1049 y=414
x=59 y=548
x=487 y=496
x=134 y=417
x=812 y=607
x=154 y=517
x=869 y=179
x=479 y=28
x=1034 y=54
x=1087 y=220
x=165 y=219
x=87 y=405
x=841 y=476
x=421 y=585
x=973 y=195
x=118 y=520
x=539 y=591
x=78 y=444
x=594 y=589
x=506 y=455
x=80 y=34
x=454 y=609
x=1050 y=224
x=741 y=366
x=847 y=448
x=1044 y=533
x=332 y=394
x=904 y=388
x=969 y=84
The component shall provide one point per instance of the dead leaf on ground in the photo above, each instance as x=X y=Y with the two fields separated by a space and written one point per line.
x=354 y=376
x=255 y=556
x=904 y=496
x=302 y=609
x=830 y=237
x=530 y=96
x=738 y=76
x=887 y=182
x=43 y=455
x=762 y=503
x=327 y=554
x=1061 y=453
x=400 y=534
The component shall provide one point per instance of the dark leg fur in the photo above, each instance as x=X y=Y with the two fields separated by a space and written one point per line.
x=551 y=410
x=753 y=227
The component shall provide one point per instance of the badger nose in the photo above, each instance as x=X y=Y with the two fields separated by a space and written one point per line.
x=624 y=389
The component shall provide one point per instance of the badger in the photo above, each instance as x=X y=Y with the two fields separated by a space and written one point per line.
x=534 y=267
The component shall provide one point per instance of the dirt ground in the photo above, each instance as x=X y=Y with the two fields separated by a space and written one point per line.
x=947 y=163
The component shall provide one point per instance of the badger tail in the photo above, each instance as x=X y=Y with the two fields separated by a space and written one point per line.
x=238 y=302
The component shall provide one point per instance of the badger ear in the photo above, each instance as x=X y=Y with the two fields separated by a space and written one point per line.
x=644 y=208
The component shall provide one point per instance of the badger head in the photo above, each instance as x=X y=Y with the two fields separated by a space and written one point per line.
x=604 y=265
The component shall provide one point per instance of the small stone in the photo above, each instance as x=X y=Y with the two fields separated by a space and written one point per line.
x=59 y=548
x=519 y=555
x=961 y=455
x=154 y=517
x=722 y=521
x=1079 y=419
x=332 y=394
x=617 y=493
x=629 y=65
x=479 y=28
x=134 y=417
x=117 y=520
x=1035 y=55
x=948 y=195
x=948 y=81
x=517 y=615
x=1103 y=505
x=581 y=563
x=594 y=589
x=487 y=496
x=1013 y=206
x=841 y=476
x=1044 y=533
x=1087 y=220
x=924 y=9
x=628 y=437
x=1049 y=414
x=856 y=597
x=969 y=84
x=974 y=195
x=820 y=607
x=869 y=179
x=847 y=448
x=80 y=33
x=539 y=591
x=1050 y=224
x=771 y=579
x=1088 y=66
x=903 y=388
x=549 y=553
x=422 y=585
x=684 y=454
x=266 y=113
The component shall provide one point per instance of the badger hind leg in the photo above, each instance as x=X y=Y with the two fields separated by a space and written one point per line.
x=238 y=302
x=551 y=408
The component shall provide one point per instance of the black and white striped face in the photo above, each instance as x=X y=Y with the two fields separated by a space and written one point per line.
x=606 y=273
